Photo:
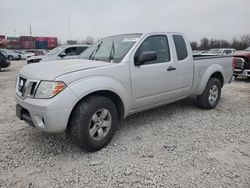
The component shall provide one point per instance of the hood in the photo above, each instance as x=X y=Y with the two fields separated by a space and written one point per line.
x=242 y=53
x=53 y=69
x=35 y=57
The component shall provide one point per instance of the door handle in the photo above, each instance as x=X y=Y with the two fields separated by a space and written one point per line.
x=170 y=68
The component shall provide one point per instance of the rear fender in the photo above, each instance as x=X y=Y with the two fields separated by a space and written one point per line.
x=207 y=75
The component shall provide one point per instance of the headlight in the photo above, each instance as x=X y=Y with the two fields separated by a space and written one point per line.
x=48 y=89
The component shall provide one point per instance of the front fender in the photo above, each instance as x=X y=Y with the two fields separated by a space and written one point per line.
x=207 y=74
x=89 y=85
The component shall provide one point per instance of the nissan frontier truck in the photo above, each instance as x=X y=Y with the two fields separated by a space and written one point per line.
x=114 y=78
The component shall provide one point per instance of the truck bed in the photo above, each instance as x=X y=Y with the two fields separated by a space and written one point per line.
x=202 y=65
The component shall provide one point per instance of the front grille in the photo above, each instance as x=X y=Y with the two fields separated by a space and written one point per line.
x=21 y=84
x=26 y=87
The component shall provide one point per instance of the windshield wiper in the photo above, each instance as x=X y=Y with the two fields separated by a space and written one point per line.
x=112 y=52
x=92 y=55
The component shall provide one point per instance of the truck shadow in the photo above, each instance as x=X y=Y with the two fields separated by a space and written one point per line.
x=163 y=113
x=240 y=79
x=61 y=144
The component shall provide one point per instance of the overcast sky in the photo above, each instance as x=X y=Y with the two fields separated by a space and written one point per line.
x=221 y=19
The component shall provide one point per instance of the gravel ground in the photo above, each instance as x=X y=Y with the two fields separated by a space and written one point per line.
x=178 y=145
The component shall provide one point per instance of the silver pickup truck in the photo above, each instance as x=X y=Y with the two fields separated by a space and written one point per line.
x=118 y=76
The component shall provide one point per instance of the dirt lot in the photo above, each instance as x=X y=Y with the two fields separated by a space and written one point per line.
x=178 y=145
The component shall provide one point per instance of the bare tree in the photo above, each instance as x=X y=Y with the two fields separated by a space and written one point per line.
x=245 y=41
x=194 y=45
x=204 y=44
x=239 y=44
x=90 y=40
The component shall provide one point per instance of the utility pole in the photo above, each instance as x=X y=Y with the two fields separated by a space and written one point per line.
x=69 y=29
x=31 y=37
x=14 y=30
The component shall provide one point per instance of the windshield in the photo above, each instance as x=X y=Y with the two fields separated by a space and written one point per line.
x=55 y=51
x=248 y=49
x=215 y=51
x=111 y=49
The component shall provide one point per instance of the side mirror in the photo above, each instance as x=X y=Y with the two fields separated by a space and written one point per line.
x=145 y=57
x=62 y=55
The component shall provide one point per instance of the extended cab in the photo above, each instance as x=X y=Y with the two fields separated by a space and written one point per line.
x=117 y=76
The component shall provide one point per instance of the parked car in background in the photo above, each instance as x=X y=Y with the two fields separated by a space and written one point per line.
x=241 y=61
x=197 y=52
x=4 y=63
x=10 y=55
x=116 y=77
x=219 y=51
x=59 y=53
x=24 y=54
x=248 y=49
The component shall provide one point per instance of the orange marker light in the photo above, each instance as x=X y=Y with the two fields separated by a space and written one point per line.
x=58 y=88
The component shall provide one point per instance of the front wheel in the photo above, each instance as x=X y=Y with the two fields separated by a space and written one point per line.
x=211 y=95
x=93 y=123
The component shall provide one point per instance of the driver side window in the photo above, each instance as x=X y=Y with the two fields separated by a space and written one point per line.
x=158 y=44
x=71 y=51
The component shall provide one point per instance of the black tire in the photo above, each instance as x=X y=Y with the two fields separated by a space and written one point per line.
x=204 y=99
x=82 y=117
x=10 y=58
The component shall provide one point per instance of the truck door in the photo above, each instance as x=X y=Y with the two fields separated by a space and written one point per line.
x=153 y=82
x=184 y=66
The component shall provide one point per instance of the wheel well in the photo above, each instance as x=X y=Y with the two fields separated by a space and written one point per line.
x=218 y=76
x=111 y=95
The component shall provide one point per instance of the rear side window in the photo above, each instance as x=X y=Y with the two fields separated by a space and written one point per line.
x=80 y=49
x=180 y=46
x=228 y=51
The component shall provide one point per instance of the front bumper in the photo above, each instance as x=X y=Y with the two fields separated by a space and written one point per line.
x=240 y=72
x=5 y=64
x=49 y=115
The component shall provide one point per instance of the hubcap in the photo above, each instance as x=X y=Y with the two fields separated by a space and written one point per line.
x=213 y=94
x=100 y=124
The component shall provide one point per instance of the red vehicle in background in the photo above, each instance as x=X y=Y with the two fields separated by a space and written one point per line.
x=241 y=61
x=37 y=52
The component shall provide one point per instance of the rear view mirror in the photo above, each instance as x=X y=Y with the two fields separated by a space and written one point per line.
x=146 y=57
x=62 y=55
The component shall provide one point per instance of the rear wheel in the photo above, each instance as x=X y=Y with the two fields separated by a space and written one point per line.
x=211 y=95
x=93 y=123
x=10 y=57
